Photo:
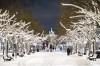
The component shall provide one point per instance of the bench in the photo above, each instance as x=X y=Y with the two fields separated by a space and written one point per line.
x=90 y=55
x=47 y=50
x=28 y=53
x=80 y=54
x=21 y=54
x=7 y=58
x=93 y=57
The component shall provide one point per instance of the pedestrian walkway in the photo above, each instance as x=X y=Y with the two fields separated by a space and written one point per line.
x=51 y=59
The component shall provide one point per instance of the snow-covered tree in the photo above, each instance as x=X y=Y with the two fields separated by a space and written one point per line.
x=14 y=33
x=88 y=24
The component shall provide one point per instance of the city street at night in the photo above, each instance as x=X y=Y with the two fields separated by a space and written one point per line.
x=49 y=32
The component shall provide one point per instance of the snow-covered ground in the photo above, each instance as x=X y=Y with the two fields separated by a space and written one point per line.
x=50 y=59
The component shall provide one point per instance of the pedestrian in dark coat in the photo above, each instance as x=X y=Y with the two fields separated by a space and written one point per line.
x=50 y=47
x=43 y=46
x=68 y=51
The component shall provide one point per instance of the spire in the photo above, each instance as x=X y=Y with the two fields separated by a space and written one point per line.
x=51 y=31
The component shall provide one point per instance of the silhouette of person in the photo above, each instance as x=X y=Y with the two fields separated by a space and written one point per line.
x=50 y=47
x=68 y=51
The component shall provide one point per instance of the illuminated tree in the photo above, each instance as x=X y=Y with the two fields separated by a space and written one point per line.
x=88 y=25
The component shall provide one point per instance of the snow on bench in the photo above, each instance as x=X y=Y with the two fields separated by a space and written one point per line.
x=7 y=58
x=93 y=57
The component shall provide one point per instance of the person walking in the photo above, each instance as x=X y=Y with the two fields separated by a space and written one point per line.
x=68 y=51
x=50 y=47
x=53 y=47
x=60 y=46
x=46 y=43
x=37 y=48
x=43 y=46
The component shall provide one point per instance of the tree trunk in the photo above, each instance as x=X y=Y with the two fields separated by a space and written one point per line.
x=94 y=46
x=13 y=46
x=3 y=47
x=6 y=48
x=76 y=48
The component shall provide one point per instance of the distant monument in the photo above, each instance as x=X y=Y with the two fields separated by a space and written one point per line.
x=51 y=32
x=52 y=36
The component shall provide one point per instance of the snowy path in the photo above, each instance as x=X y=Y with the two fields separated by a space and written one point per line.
x=51 y=59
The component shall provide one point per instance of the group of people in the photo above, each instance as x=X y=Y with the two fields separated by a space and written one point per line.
x=52 y=47
x=44 y=46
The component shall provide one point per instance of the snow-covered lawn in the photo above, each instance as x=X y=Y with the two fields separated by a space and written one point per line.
x=50 y=59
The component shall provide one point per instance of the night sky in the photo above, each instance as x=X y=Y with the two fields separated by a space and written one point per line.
x=45 y=11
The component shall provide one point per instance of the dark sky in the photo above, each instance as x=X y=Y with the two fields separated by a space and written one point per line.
x=46 y=11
